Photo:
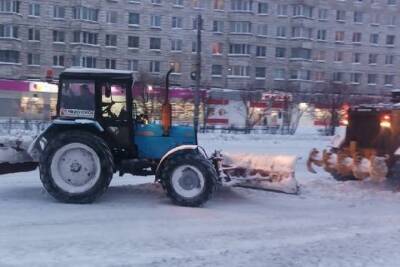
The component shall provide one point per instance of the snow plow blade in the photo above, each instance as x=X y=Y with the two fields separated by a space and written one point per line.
x=264 y=172
x=6 y=168
x=14 y=157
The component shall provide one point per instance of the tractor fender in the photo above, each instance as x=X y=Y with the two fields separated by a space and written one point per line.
x=174 y=151
x=40 y=142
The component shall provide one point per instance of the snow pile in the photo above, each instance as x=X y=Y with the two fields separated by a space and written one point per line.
x=267 y=172
x=13 y=148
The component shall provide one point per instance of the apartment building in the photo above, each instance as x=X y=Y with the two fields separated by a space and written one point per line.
x=246 y=44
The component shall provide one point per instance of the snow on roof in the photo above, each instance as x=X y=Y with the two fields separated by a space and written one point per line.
x=96 y=71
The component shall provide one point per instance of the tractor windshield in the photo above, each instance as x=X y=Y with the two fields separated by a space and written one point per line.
x=77 y=98
x=364 y=128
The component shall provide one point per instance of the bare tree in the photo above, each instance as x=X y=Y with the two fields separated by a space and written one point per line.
x=251 y=119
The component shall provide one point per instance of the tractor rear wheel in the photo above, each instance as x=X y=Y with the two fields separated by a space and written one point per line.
x=76 y=167
x=189 y=178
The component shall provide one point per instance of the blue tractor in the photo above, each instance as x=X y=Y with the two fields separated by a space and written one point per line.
x=97 y=132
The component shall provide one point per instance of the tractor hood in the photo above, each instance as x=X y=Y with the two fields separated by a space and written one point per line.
x=151 y=142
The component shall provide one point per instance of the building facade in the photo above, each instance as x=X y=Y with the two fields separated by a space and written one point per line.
x=246 y=44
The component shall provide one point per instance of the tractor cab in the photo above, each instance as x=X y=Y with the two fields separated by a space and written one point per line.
x=103 y=100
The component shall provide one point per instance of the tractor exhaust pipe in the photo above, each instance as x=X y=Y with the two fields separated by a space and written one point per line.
x=166 y=108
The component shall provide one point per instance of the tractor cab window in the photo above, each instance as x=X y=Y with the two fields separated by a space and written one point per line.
x=77 y=98
x=114 y=101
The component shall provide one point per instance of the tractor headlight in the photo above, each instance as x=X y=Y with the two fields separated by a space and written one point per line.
x=385 y=122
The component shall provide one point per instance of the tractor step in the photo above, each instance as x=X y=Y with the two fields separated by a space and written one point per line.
x=140 y=167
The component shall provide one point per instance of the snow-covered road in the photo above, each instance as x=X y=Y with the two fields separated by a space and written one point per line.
x=134 y=224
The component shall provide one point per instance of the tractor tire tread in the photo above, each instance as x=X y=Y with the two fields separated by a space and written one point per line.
x=106 y=162
x=199 y=161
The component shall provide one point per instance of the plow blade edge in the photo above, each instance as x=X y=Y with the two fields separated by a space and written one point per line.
x=265 y=172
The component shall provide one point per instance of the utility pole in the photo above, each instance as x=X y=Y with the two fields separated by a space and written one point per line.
x=198 y=75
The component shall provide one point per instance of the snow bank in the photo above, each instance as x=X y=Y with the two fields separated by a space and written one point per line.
x=13 y=148
x=267 y=172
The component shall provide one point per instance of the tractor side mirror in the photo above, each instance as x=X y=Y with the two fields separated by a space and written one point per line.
x=107 y=91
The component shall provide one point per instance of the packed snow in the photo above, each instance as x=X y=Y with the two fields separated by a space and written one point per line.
x=328 y=223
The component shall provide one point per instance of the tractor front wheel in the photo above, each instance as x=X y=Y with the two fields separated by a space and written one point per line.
x=189 y=178
x=76 y=167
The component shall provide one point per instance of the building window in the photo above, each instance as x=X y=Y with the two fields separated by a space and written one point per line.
x=178 y=3
x=389 y=79
x=34 y=9
x=155 y=43
x=375 y=19
x=372 y=79
x=34 y=34
x=301 y=32
x=241 y=5
x=339 y=56
x=85 y=13
x=391 y=2
x=59 y=12
x=58 y=61
x=133 y=65
x=58 y=36
x=111 y=63
x=302 y=11
x=323 y=14
x=85 y=37
x=373 y=59
x=304 y=75
x=217 y=48
x=355 y=78
x=262 y=8
x=112 y=17
x=374 y=38
x=358 y=17
x=194 y=47
x=9 y=56
x=239 y=71
x=356 y=37
x=300 y=53
x=154 y=66
x=390 y=39
x=176 y=45
x=177 y=22
x=280 y=52
x=239 y=49
x=357 y=58
x=261 y=51
x=33 y=59
x=339 y=36
x=281 y=31
x=320 y=55
x=197 y=4
x=319 y=76
x=240 y=27
x=216 y=70
x=321 y=35
x=282 y=10
x=134 y=19
x=8 y=31
x=340 y=15
x=133 y=42
x=262 y=30
x=9 y=6
x=155 y=21
x=86 y=61
x=390 y=20
x=111 y=40
x=218 y=26
x=389 y=59
x=261 y=72
x=279 y=74
x=156 y=2
x=337 y=77
x=218 y=4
